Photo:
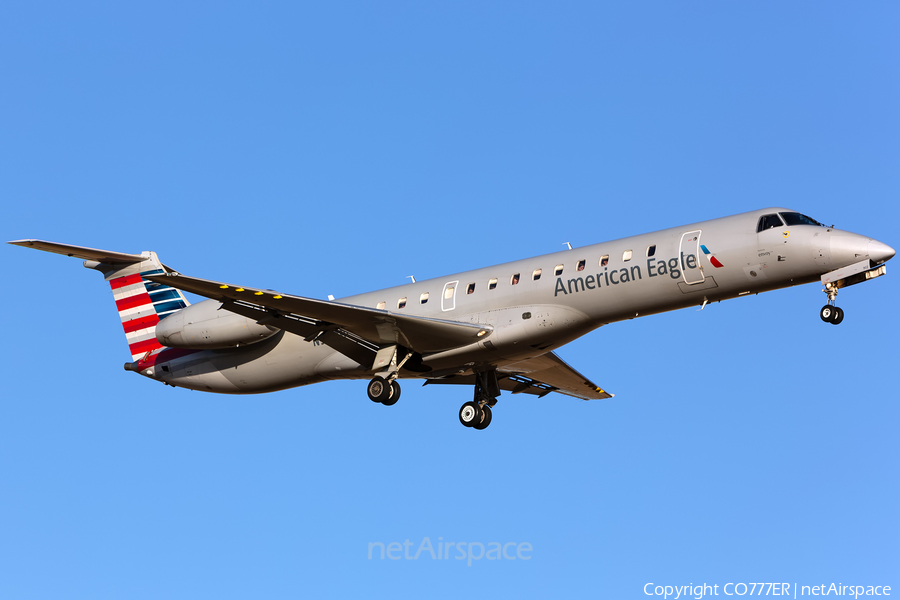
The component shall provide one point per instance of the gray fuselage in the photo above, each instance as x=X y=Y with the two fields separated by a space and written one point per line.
x=538 y=304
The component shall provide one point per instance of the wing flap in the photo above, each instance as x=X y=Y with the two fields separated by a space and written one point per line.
x=380 y=327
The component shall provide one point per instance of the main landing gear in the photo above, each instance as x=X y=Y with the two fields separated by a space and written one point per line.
x=385 y=391
x=831 y=313
x=474 y=416
x=383 y=388
x=477 y=413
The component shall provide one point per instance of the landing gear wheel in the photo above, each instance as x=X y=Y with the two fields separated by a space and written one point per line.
x=469 y=414
x=485 y=419
x=838 y=316
x=395 y=394
x=379 y=389
x=832 y=314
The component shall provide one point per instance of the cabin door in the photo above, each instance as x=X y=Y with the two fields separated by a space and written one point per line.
x=448 y=296
x=689 y=258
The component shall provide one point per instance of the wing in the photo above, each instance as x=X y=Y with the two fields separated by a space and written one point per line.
x=551 y=370
x=336 y=324
x=539 y=376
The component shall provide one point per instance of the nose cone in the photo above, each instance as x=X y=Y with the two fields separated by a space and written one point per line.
x=879 y=252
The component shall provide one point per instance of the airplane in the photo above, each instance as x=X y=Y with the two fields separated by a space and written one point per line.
x=494 y=329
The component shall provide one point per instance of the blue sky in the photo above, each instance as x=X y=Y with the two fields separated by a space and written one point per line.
x=334 y=150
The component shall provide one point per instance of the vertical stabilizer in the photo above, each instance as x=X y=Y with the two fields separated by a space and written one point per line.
x=141 y=303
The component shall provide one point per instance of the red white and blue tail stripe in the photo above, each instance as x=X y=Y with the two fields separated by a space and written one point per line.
x=141 y=305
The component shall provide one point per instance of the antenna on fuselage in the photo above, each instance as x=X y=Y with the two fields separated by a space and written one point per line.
x=568 y=244
x=413 y=277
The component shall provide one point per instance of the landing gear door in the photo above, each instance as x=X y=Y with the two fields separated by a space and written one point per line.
x=689 y=257
x=448 y=296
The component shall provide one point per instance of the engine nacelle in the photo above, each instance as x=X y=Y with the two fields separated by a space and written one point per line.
x=206 y=326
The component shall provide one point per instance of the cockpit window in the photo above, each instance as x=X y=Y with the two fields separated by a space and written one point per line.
x=793 y=218
x=769 y=222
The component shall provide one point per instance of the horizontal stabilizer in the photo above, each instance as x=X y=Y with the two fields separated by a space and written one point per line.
x=104 y=256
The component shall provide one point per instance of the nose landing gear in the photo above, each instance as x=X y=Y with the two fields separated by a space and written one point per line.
x=831 y=313
x=853 y=274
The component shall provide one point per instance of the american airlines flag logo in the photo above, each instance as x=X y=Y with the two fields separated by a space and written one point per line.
x=712 y=257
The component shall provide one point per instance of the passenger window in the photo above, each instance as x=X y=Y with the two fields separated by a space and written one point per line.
x=470 y=288
x=380 y=306
x=626 y=256
x=401 y=303
x=769 y=222
x=536 y=275
x=514 y=279
x=558 y=270
x=604 y=260
x=448 y=292
x=423 y=298
x=492 y=284
x=580 y=266
x=651 y=250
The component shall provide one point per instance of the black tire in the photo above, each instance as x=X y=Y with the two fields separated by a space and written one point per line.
x=838 y=316
x=379 y=389
x=395 y=394
x=485 y=419
x=468 y=414
x=827 y=313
